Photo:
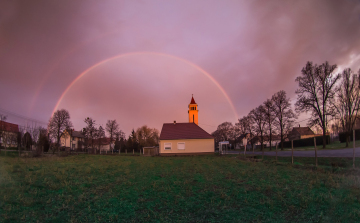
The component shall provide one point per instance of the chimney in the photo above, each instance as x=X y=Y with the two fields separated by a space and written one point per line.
x=174 y=122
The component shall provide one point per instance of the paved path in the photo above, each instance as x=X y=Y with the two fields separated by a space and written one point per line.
x=320 y=153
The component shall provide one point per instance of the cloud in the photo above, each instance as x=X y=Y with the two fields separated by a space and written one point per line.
x=253 y=49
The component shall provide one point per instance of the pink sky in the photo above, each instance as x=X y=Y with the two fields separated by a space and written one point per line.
x=250 y=49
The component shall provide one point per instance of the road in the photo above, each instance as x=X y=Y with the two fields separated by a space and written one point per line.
x=320 y=153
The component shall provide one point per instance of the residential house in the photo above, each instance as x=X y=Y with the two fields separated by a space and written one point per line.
x=300 y=133
x=72 y=139
x=8 y=134
x=103 y=144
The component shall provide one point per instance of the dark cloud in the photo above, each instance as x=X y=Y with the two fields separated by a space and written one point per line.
x=253 y=49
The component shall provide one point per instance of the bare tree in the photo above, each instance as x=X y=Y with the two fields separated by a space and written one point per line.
x=2 y=127
x=90 y=130
x=119 y=135
x=147 y=136
x=348 y=100
x=315 y=93
x=112 y=128
x=284 y=115
x=35 y=132
x=58 y=123
x=270 y=117
x=225 y=130
x=245 y=125
x=236 y=133
x=259 y=122
x=100 y=135
x=3 y=117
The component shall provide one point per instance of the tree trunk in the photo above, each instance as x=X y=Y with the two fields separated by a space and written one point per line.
x=270 y=139
x=324 y=138
x=347 y=139
x=262 y=145
x=353 y=148
x=276 y=150
x=292 y=152
x=316 y=163
x=281 y=137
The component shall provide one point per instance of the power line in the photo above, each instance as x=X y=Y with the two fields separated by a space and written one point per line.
x=22 y=116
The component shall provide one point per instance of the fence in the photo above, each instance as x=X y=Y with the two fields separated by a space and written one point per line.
x=151 y=151
x=306 y=142
x=342 y=135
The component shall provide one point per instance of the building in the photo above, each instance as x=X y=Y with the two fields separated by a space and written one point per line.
x=301 y=133
x=193 y=112
x=8 y=134
x=103 y=144
x=75 y=142
x=185 y=138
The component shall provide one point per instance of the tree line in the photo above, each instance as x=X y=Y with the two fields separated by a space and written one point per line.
x=94 y=136
x=326 y=96
x=60 y=126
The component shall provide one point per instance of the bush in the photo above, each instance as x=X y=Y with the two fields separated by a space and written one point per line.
x=342 y=136
x=307 y=142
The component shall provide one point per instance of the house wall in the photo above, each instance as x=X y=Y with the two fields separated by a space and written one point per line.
x=105 y=147
x=191 y=146
x=307 y=136
x=8 y=139
x=65 y=141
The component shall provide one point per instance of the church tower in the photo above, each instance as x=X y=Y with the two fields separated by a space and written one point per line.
x=193 y=111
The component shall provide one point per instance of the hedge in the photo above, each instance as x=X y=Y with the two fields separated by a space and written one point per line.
x=307 y=142
x=342 y=136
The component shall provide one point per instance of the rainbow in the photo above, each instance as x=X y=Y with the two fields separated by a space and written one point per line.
x=147 y=53
x=57 y=62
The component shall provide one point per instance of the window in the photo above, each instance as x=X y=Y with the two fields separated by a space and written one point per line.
x=167 y=145
x=181 y=145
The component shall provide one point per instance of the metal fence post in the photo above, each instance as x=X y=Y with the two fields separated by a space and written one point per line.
x=292 y=152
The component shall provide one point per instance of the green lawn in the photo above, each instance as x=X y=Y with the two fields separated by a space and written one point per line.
x=94 y=188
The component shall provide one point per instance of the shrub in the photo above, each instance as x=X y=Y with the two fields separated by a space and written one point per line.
x=307 y=142
x=342 y=136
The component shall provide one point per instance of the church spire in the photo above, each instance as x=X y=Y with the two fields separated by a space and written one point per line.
x=192 y=100
x=193 y=111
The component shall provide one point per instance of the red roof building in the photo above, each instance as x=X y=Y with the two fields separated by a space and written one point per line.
x=186 y=138
x=175 y=130
x=9 y=127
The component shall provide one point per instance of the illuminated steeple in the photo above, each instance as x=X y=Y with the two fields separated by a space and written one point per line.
x=193 y=111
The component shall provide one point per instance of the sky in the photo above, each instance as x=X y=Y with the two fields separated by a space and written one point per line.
x=139 y=62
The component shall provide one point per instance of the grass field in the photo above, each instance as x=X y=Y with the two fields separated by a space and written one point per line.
x=94 y=188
